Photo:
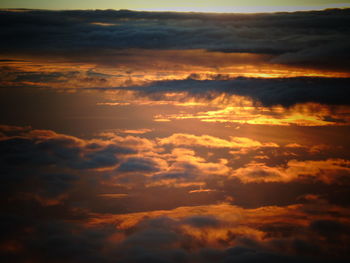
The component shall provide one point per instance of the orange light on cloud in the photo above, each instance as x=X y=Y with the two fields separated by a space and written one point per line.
x=131 y=67
x=330 y=171
x=239 y=109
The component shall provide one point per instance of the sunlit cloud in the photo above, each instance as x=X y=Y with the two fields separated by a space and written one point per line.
x=309 y=114
x=224 y=225
x=135 y=136
x=114 y=195
x=210 y=141
x=328 y=171
x=128 y=68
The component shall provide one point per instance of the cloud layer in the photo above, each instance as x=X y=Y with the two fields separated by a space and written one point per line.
x=313 y=39
x=83 y=200
x=174 y=137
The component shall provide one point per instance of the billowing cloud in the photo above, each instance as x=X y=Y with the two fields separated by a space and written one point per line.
x=102 y=198
x=269 y=92
x=328 y=171
x=259 y=101
x=266 y=230
x=174 y=137
x=295 y=75
x=315 y=39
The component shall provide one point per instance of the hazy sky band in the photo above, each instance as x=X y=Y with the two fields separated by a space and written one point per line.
x=250 y=6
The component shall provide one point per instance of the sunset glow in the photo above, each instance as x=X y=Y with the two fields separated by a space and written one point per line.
x=133 y=133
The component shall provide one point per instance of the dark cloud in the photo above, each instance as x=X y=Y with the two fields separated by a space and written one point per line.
x=273 y=91
x=135 y=164
x=41 y=171
x=60 y=150
x=316 y=39
x=40 y=77
x=156 y=238
x=12 y=76
x=330 y=229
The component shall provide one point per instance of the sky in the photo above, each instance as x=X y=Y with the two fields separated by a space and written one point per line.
x=132 y=136
x=249 y=6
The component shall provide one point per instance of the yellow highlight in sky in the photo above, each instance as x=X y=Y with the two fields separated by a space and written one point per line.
x=237 y=6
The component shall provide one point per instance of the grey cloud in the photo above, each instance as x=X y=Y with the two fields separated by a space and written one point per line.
x=42 y=168
x=135 y=164
x=59 y=150
x=183 y=175
x=293 y=38
x=104 y=157
x=56 y=184
x=275 y=91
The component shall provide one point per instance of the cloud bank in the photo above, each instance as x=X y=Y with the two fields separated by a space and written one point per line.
x=311 y=39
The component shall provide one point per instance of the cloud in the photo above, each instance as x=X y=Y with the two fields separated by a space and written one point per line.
x=41 y=167
x=330 y=171
x=321 y=32
x=52 y=169
x=46 y=147
x=329 y=228
x=196 y=70
x=256 y=172
x=269 y=92
x=181 y=139
x=131 y=195
x=136 y=131
x=306 y=101
x=137 y=205
x=225 y=231
x=202 y=221
x=308 y=114
x=143 y=164
x=123 y=68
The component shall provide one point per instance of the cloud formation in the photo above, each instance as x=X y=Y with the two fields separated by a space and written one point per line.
x=269 y=92
x=328 y=171
x=84 y=200
x=174 y=137
x=314 y=39
x=179 y=139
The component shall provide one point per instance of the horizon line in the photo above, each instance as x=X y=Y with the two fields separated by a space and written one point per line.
x=256 y=11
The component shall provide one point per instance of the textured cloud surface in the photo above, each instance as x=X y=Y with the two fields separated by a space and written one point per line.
x=309 y=38
x=174 y=137
x=99 y=199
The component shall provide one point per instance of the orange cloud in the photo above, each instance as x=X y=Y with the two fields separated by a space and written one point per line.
x=224 y=225
x=330 y=171
x=182 y=139
x=186 y=168
x=306 y=114
x=130 y=68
